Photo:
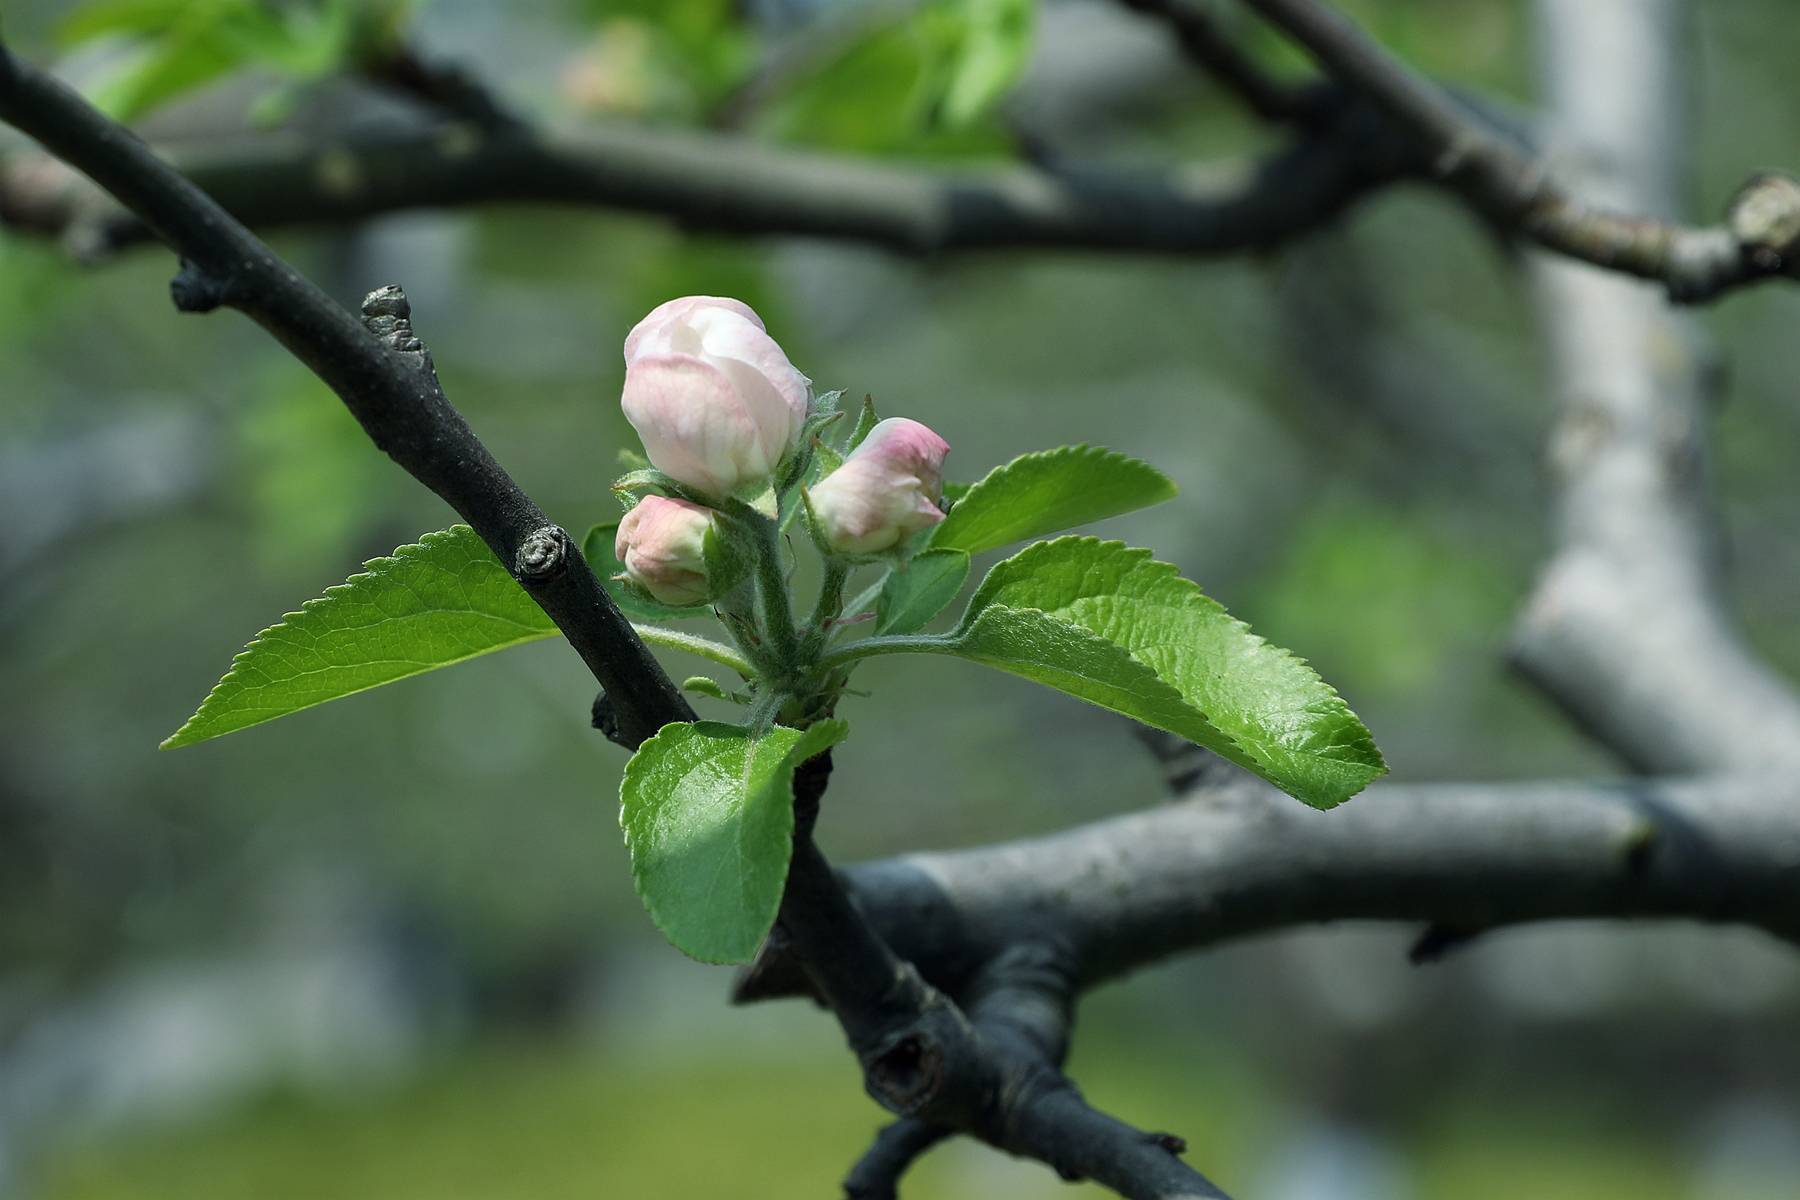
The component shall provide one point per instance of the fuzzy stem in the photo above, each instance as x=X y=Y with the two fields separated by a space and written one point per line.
x=706 y=648
x=912 y=643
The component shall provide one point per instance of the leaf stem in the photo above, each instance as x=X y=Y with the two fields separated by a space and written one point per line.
x=764 y=709
x=706 y=648
x=912 y=643
x=831 y=599
x=869 y=595
x=778 y=616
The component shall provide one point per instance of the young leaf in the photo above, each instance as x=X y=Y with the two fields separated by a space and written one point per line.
x=439 y=602
x=917 y=592
x=1041 y=493
x=708 y=815
x=597 y=548
x=1063 y=655
x=1265 y=709
x=866 y=419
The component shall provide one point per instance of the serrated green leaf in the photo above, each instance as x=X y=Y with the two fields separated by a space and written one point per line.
x=919 y=591
x=1261 y=706
x=708 y=815
x=597 y=548
x=1065 y=656
x=1049 y=490
x=441 y=601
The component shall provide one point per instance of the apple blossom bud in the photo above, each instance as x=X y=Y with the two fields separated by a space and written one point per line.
x=662 y=543
x=711 y=394
x=886 y=491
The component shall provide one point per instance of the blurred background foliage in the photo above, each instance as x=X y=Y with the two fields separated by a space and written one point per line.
x=390 y=947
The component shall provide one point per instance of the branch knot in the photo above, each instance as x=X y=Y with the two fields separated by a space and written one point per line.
x=542 y=555
x=388 y=315
x=1765 y=218
x=197 y=290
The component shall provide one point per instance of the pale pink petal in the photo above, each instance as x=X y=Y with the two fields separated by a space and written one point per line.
x=681 y=307
x=694 y=423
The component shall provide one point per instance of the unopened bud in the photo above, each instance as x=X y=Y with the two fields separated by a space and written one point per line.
x=886 y=491
x=662 y=543
x=714 y=398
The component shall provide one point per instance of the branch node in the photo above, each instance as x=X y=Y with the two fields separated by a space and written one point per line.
x=605 y=718
x=1174 y=1143
x=544 y=554
x=197 y=290
x=388 y=315
x=906 y=1072
x=1764 y=217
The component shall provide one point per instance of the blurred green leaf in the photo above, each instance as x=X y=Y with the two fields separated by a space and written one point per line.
x=179 y=47
x=989 y=57
x=1047 y=491
x=920 y=590
x=919 y=78
x=1251 y=702
x=708 y=815
x=441 y=601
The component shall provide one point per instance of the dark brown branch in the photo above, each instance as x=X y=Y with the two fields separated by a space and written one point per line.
x=1760 y=239
x=386 y=381
x=1245 y=859
x=732 y=185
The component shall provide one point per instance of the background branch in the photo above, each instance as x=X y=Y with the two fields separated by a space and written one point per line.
x=732 y=185
x=1243 y=859
x=1498 y=178
x=1627 y=628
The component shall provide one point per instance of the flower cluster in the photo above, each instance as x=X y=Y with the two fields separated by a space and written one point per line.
x=724 y=416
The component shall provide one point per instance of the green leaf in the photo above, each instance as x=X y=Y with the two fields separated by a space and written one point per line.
x=919 y=591
x=1041 y=493
x=995 y=46
x=1256 y=704
x=597 y=548
x=866 y=419
x=708 y=815
x=439 y=602
x=1063 y=655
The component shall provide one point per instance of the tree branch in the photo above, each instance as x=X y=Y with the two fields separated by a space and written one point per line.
x=1244 y=859
x=1627 y=628
x=383 y=374
x=1209 y=48
x=993 y=1072
x=732 y=185
x=1760 y=239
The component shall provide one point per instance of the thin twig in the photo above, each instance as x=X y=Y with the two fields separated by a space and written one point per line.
x=1512 y=189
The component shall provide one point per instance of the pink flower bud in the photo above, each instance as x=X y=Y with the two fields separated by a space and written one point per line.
x=886 y=491
x=662 y=543
x=714 y=399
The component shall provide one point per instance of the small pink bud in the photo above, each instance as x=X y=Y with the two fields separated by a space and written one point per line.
x=662 y=543
x=886 y=491
x=711 y=394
